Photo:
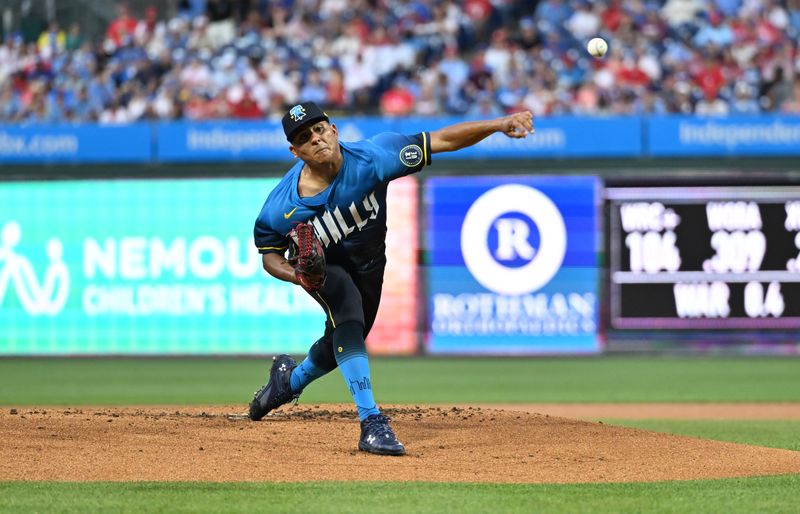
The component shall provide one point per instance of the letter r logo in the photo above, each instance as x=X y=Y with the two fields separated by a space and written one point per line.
x=512 y=240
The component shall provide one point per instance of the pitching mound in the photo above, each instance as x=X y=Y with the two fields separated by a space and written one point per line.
x=319 y=443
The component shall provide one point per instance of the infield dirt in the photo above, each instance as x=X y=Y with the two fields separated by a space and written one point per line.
x=308 y=443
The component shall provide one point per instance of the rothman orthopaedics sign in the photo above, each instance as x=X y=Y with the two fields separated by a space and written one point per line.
x=513 y=265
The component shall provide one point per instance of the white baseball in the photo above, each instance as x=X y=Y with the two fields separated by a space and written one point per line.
x=597 y=47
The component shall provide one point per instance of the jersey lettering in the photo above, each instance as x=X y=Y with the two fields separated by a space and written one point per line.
x=332 y=227
x=342 y=223
x=336 y=236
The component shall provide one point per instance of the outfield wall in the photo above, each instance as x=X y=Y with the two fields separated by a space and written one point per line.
x=522 y=265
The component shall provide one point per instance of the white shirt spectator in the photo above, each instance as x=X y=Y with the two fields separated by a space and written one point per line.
x=346 y=44
x=286 y=84
x=751 y=8
x=196 y=75
x=8 y=58
x=357 y=74
x=261 y=93
x=137 y=107
x=157 y=43
x=711 y=107
x=778 y=17
x=604 y=78
x=678 y=12
x=584 y=23
x=114 y=115
x=330 y=8
x=163 y=105
x=498 y=58
x=389 y=56
x=650 y=65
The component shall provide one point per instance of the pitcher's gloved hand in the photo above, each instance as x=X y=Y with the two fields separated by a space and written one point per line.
x=307 y=257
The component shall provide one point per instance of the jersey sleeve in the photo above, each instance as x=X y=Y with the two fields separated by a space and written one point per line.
x=268 y=240
x=397 y=155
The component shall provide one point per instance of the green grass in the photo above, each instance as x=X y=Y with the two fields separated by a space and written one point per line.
x=773 y=433
x=230 y=381
x=765 y=494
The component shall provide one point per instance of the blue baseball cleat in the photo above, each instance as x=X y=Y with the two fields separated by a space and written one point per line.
x=278 y=389
x=377 y=437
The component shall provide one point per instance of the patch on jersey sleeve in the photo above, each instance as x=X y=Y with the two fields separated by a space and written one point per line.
x=411 y=156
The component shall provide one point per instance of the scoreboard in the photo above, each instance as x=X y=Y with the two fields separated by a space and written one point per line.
x=704 y=257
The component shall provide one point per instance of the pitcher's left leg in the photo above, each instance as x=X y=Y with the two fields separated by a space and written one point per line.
x=351 y=355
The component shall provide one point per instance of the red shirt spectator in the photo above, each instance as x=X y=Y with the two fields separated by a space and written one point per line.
x=397 y=102
x=767 y=33
x=336 y=95
x=710 y=78
x=612 y=16
x=630 y=74
x=477 y=9
x=123 y=26
x=246 y=109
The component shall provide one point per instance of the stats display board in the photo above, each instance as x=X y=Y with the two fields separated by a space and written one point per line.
x=162 y=267
x=704 y=257
x=512 y=265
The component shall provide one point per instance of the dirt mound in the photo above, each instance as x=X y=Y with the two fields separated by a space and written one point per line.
x=455 y=444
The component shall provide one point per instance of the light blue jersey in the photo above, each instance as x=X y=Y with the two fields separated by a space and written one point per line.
x=349 y=216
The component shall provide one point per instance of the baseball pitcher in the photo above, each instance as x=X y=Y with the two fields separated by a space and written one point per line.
x=324 y=227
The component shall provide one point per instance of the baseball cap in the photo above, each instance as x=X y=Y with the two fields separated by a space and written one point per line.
x=301 y=115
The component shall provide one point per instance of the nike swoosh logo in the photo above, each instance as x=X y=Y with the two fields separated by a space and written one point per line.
x=288 y=215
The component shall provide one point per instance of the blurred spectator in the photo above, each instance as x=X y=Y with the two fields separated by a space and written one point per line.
x=744 y=101
x=553 y=13
x=499 y=54
x=335 y=93
x=221 y=25
x=715 y=32
x=681 y=13
x=528 y=34
x=793 y=11
x=191 y=8
x=709 y=76
x=792 y=104
x=244 y=106
x=428 y=103
x=122 y=27
x=74 y=38
x=397 y=102
x=711 y=105
x=52 y=41
x=777 y=91
x=313 y=90
x=584 y=23
x=484 y=107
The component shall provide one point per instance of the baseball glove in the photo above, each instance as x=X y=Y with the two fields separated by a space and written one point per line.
x=307 y=257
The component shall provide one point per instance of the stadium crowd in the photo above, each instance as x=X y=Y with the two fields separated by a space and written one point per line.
x=252 y=58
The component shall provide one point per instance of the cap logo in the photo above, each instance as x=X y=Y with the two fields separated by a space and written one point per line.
x=297 y=113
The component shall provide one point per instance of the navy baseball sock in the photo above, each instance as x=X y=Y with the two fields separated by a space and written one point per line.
x=351 y=355
x=305 y=373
